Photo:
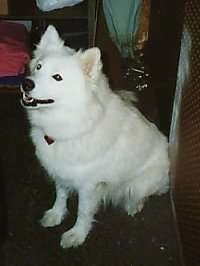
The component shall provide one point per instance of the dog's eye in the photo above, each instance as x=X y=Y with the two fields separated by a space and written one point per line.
x=57 y=77
x=38 y=66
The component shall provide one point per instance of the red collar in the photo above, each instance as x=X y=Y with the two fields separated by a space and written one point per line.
x=49 y=140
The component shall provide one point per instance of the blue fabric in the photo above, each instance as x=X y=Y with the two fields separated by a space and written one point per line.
x=11 y=80
x=122 y=18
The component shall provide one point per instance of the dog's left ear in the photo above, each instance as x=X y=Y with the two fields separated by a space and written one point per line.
x=50 y=39
x=91 y=62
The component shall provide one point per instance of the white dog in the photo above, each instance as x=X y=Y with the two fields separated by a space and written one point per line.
x=89 y=139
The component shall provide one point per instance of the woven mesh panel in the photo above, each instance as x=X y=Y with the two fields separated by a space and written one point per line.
x=187 y=179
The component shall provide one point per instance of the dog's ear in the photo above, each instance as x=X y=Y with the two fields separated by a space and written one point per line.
x=50 y=39
x=91 y=62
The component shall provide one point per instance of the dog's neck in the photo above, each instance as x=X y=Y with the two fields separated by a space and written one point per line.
x=57 y=126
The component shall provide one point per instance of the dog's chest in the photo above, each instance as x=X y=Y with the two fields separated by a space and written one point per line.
x=66 y=160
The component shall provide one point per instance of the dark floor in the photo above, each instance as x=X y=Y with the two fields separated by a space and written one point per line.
x=148 y=239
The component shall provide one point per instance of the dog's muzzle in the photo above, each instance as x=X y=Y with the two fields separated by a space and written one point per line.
x=28 y=101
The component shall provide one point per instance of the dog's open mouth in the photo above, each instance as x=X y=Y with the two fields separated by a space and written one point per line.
x=33 y=102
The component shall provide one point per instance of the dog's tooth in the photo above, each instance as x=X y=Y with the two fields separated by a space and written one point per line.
x=24 y=96
x=31 y=100
x=27 y=98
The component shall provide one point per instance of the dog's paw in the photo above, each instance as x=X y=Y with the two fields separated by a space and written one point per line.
x=132 y=209
x=51 y=218
x=73 y=238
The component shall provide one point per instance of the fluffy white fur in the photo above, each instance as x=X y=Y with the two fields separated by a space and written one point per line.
x=104 y=148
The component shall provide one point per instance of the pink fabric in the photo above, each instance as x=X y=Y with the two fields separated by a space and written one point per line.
x=13 y=48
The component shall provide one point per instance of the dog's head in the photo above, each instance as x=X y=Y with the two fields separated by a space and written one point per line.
x=59 y=75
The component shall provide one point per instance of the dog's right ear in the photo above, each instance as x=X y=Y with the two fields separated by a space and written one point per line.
x=50 y=40
x=91 y=62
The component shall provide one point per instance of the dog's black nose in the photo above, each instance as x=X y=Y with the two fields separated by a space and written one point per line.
x=28 y=85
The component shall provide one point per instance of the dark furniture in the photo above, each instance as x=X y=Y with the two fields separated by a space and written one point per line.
x=27 y=10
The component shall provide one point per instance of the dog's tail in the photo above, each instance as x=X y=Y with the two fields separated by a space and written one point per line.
x=127 y=96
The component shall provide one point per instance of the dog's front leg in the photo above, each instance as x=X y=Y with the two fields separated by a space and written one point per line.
x=55 y=215
x=88 y=205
